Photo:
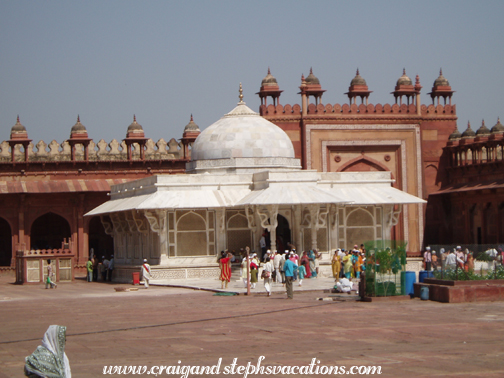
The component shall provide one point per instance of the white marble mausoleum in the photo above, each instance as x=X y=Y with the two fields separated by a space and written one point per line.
x=243 y=179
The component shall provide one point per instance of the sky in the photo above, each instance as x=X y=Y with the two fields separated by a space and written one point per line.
x=165 y=60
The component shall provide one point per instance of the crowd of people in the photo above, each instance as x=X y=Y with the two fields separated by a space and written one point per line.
x=348 y=263
x=99 y=269
x=451 y=259
x=456 y=258
x=277 y=267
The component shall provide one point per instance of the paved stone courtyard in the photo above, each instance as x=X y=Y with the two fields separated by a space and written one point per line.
x=162 y=325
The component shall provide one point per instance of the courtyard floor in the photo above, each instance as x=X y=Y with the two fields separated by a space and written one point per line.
x=164 y=325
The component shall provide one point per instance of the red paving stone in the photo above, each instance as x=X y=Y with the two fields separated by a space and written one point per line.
x=161 y=326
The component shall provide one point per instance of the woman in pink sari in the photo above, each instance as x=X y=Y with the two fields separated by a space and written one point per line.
x=225 y=265
x=305 y=261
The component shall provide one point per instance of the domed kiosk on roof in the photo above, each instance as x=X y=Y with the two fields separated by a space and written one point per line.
x=468 y=133
x=483 y=130
x=497 y=128
x=404 y=79
x=78 y=129
x=455 y=135
x=18 y=128
x=358 y=88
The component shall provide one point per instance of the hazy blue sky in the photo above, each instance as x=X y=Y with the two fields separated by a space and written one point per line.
x=163 y=60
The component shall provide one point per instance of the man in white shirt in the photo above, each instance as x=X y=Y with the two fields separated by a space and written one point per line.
x=146 y=273
x=427 y=258
x=344 y=285
x=451 y=260
x=276 y=264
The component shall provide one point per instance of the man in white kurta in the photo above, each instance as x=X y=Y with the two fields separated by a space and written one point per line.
x=146 y=273
x=344 y=285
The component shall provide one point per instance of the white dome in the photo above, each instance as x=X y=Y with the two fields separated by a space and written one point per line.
x=242 y=140
x=242 y=133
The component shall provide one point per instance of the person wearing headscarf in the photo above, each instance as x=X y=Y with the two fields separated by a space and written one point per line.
x=49 y=359
x=301 y=274
x=347 y=265
x=336 y=264
x=305 y=261
x=312 y=257
x=253 y=274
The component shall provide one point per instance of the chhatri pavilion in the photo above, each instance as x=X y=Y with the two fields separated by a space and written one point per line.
x=242 y=181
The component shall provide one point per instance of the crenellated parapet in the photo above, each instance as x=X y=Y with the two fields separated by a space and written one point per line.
x=347 y=109
x=79 y=147
x=101 y=151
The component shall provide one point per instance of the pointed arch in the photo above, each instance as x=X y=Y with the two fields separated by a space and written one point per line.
x=238 y=233
x=363 y=164
x=237 y=221
x=5 y=243
x=192 y=236
x=48 y=231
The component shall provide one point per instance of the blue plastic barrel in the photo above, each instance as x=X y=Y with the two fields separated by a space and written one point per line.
x=425 y=274
x=409 y=280
x=424 y=293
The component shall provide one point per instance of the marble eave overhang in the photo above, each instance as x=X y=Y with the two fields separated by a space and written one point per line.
x=287 y=188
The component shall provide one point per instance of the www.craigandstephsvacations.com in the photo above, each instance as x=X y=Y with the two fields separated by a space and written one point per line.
x=233 y=369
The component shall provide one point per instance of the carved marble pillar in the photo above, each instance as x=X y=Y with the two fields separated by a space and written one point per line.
x=391 y=217
x=252 y=225
x=297 y=230
x=119 y=229
x=159 y=226
x=332 y=227
x=318 y=219
x=220 y=229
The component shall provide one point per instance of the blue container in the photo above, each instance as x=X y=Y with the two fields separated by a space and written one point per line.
x=409 y=280
x=424 y=293
x=425 y=274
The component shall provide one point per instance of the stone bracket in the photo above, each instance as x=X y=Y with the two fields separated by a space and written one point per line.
x=139 y=222
x=109 y=230
x=392 y=215
x=270 y=212
x=119 y=222
x=156 y=219
x=249 y=212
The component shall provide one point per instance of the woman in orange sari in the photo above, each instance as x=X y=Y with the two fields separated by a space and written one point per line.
x=225 y=265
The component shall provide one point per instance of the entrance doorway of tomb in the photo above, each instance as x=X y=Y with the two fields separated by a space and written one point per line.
x=5 y=243
x=283 y=234
x=101 y=243
x=48 y=232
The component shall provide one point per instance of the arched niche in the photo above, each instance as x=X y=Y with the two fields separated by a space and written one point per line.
x=101 y=243
x=48 y=231
x=237 y=231
x=360 y=227
x=192 y=234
